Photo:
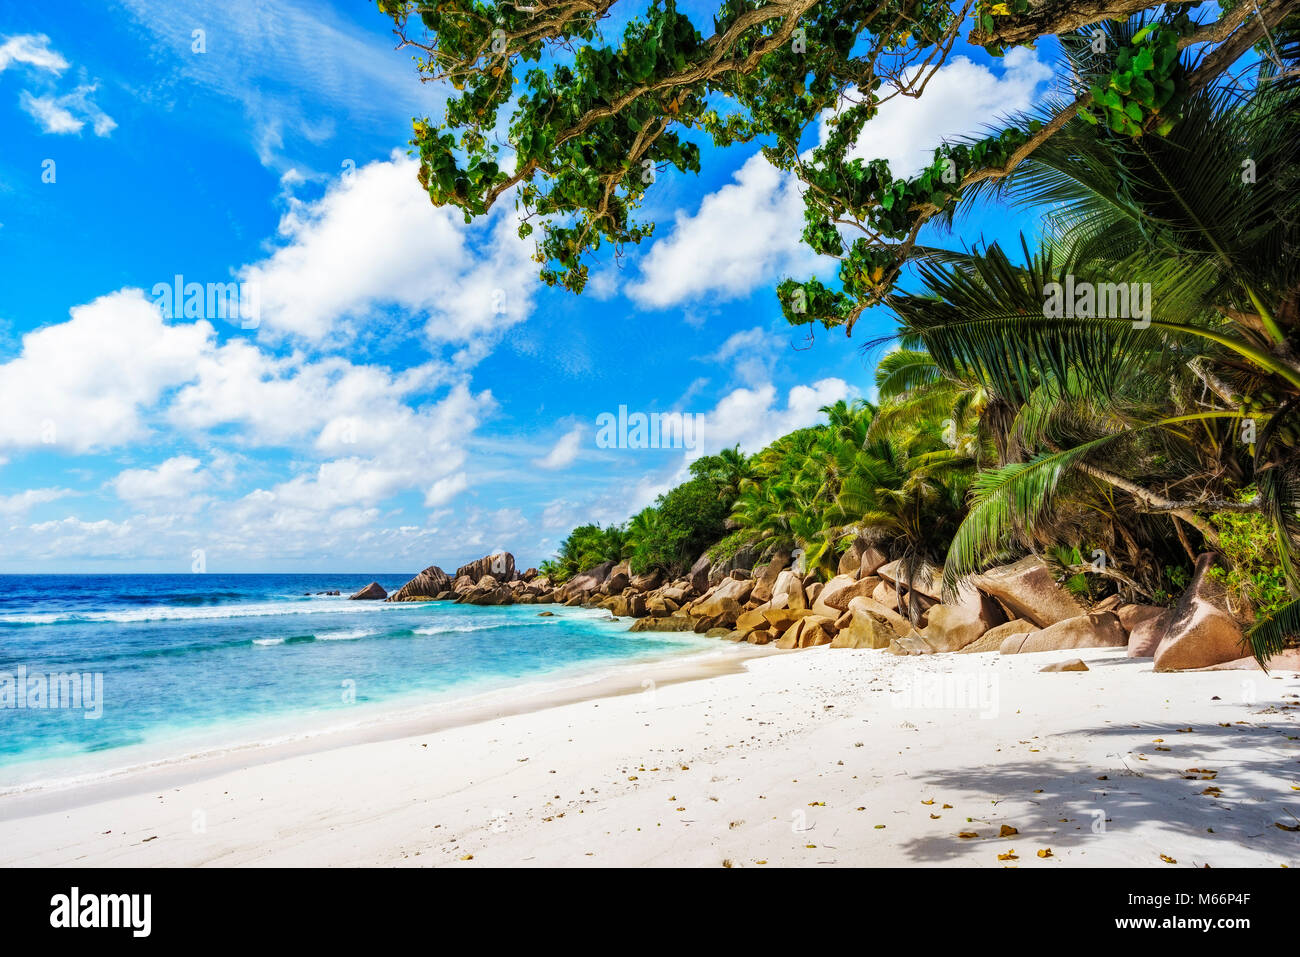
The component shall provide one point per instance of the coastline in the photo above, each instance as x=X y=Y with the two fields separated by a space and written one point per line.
x=827 y=756
x=381 y=722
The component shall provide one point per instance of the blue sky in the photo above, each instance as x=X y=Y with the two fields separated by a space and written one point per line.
x=410 y=393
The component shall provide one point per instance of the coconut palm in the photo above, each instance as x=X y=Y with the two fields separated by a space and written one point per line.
x=1176 y=415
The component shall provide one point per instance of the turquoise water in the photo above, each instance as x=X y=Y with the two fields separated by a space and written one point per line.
x=190 y=662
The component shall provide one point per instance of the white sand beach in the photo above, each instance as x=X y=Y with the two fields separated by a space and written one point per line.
x=818 y=757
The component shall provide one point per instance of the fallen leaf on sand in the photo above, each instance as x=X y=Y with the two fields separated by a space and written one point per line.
x=935 y=817
x=947 y=806
x=468 y=857
x=1007 y=831
x=931 y=801
x=1045 y=852
x=1009 y=856
x=1167 y=859
x=1287 y=827
x=968 y=834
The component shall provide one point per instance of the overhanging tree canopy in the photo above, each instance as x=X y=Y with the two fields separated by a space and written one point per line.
x=541 y=107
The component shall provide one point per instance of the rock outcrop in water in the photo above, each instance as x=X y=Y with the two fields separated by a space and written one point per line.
x=372 y=592
x=500 y=566
x=429 y=585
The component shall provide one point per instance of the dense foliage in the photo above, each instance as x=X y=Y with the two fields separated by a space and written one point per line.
x=1119 y=394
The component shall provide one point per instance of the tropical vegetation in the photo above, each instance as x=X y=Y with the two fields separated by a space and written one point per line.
x=1119 y=394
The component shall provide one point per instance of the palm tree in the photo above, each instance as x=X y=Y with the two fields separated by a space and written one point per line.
x=1177 y=415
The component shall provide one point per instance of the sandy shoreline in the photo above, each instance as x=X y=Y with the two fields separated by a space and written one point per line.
x=826 y=756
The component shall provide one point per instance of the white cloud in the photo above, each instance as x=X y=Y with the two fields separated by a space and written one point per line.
x=32 y=49
x=68 y=113
x=960 y=99
x=751 y=417
x=297 y=69
x=750 y=353
x=374 y=241
x=445 y=489
x=563 y=452
x=178 y=477
x=22 y=502
x=746 y=233
x=743 y=235
x=86 y=384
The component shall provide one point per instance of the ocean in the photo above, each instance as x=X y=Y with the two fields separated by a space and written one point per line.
x=157 y=667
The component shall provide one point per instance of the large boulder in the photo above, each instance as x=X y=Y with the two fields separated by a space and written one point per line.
x=780 y=619
x=1200 y=632
x=649 y=581
x=851 y=559
x=1145 y=625
x=462 y=584
x=677 y=592
x=730 y=591
x=620 y=576
x=864 y=630
x=953 y=627
x=425 y=586
x=699 y=574
x=808 y=632
x=742 y=559
x=372 y=592
x=1095 y=630
x=767 y=574
x=834 y=597
x=881 y=613
x=1028 y=590
x=886 y=594
x=500 y=566
x=992 y=639
x=588 y=582
x=789 y=585
x=659 y=604
x=489 y=595
x=872 y=559
x=755 y=617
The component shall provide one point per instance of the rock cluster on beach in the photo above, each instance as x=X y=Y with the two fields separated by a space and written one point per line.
x=871 y=602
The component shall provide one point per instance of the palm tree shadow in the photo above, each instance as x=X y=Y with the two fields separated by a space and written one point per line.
x=1077 y=805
